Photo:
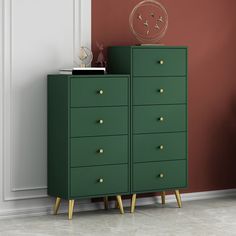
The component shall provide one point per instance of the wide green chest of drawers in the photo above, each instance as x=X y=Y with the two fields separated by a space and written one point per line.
x=158 y=115
x=88 y=136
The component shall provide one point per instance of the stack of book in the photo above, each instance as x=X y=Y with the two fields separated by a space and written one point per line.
x=84 y=71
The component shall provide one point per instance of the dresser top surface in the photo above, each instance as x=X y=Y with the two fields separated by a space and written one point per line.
x=90 y=76
x=151 y=47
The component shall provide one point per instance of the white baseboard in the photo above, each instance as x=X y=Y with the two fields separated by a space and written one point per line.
x=45 y=207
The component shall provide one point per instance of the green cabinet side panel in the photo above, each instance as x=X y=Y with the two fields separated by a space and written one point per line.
x=159 y=147
x=147 y=176
x=159 y=90
x=99 y=91
x=86 y=121
x=147 y=119
x=58 y=146
x=99 y=150
x=99 y=180
x=119 y=60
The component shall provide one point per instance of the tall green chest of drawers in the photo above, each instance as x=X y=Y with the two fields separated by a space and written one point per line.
x=158 y=115
x=88 y=137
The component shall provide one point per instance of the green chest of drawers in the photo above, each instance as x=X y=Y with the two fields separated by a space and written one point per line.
x=158 y=115
x=120 y=134
x=88 y=136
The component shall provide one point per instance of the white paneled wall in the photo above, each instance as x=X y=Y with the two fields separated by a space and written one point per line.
x=37 y=37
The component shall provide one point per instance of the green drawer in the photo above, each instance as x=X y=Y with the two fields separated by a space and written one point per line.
x=146 y=62
x=99 y=150
x=100 y=91
x=99 y=180
x=86 y=121
x=159 y=90
x=159 y=147
x=159 y=118
x=154 y=176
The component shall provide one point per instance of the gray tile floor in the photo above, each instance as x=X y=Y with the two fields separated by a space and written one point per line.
x=206 y=217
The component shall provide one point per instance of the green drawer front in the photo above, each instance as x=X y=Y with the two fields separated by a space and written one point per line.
x=159 y=90
x=99 y=150
x=160 y=118
x=99 y=91
x=85 y=181
x=146 y=62
x=86 y=121
x=159 y=147
x=147 y=176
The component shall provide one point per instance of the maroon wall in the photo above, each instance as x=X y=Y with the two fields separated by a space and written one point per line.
x=208 y=28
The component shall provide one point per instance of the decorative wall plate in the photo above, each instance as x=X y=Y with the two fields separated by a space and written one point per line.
x=148 y=21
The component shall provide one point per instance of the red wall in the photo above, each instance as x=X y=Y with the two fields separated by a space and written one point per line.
x=208 y=28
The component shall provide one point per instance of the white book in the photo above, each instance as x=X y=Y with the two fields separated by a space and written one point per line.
x=70 y=71
x=90 y=68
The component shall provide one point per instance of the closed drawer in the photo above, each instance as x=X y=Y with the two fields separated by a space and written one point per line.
x=99 y=180
x=100 y=91
x=99 y=121
x=159 y=90
x=159 y=175
x=99 y=150
x=160 y=118
x=159 y=147
x=159 y=62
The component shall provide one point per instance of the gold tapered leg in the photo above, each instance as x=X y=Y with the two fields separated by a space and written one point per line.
x=119 y=200
x=70 y=210
x=106 y=203
x=133 y=203
x=163 y=197
x=178 y=198
x=57 y=205
x=117 y=204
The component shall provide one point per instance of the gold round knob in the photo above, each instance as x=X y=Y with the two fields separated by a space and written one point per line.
x=161 y=119
x=100 y=151
x=100 y=121
x=161 y=62
x=161 y=175
x=101 y=180
x=161 y=90
x=161 y=147
x=100 y=92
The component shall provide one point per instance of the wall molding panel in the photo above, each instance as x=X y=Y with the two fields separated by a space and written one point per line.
x=1 y=99
x=82 y=26
x=33 y=46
